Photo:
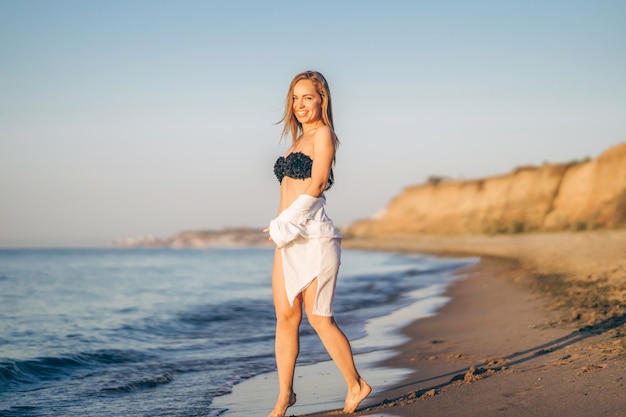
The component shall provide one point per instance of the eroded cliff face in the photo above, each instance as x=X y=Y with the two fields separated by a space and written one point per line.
x=552 y=197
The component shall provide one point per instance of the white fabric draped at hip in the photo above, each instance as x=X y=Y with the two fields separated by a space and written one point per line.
x=310 y=248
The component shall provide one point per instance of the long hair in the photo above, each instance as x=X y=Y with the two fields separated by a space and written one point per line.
x=292 y=125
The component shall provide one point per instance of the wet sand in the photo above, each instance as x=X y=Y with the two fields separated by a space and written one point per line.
x=537 y=328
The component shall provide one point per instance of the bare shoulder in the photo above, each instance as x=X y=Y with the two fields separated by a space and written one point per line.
x=323 y=144
x=323 y=136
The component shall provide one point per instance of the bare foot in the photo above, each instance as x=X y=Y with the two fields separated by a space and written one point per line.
x=292 y=401
x=354 y=397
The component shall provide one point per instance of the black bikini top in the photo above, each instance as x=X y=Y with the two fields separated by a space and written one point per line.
x=296 y=165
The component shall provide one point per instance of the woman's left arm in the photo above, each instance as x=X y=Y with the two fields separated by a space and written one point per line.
x=323 y=155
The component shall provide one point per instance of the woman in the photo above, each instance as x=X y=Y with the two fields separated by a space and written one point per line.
x=307 y=256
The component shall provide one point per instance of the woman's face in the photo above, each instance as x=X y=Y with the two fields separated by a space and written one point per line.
x=307 y=103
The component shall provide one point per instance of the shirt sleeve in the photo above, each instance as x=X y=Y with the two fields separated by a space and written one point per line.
x=292 y=222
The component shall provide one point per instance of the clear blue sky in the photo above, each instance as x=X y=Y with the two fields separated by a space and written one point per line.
x=128 y=118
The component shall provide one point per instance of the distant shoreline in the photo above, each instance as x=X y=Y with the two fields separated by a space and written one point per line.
x=227 y=237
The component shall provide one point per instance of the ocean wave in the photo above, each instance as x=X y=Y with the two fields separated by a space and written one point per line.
x=372 y=290
x=232 y=310
x=247 y=320
x=144 y=383
x=33 y=371
x=20 y=411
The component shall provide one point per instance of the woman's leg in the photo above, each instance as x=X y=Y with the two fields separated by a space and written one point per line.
x=287 y=341
x=338 y=347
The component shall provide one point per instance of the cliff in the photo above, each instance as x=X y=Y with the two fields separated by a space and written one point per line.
x=552 y=197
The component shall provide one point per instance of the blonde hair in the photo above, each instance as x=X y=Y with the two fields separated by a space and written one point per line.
x=292 y=125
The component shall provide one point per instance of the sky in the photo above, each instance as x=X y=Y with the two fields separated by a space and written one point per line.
x=130 y=118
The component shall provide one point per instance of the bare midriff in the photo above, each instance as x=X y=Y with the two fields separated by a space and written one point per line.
x=290 y=190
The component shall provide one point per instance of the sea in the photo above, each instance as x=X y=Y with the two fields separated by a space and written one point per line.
x=164 y=332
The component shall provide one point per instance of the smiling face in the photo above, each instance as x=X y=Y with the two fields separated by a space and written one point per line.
x=307 y=103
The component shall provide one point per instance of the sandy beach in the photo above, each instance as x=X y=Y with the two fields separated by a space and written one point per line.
x=536 y=328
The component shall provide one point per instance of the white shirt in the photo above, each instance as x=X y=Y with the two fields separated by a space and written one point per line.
x=310 y=246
